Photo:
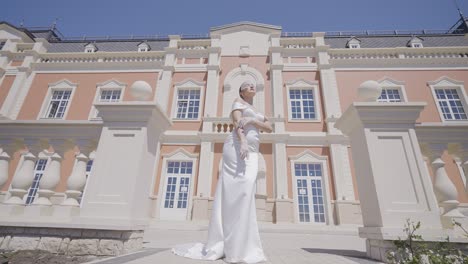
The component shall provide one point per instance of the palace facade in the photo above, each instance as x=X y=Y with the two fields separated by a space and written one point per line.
x=121 y=133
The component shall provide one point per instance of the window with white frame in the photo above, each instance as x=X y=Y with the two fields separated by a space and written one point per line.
x=188 y=103
x=58 y=103
x=110 y=95
x=450 y=98
x=309 y=189
x=302 y=104
x=416 y=45
x=39 y=169
x=178 y=184
x=354 y=46
x=2 y=43
x=450 y=104
x=389 y=95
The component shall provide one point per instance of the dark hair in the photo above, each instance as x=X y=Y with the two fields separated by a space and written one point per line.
x=240 y=90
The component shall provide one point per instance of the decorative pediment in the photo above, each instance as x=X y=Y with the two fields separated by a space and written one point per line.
x=63 y=84
x=246 y=26
x=111 y=84
x=445 y=81
x=301 y=83
x=387 y=81
x=180 y=154
x=307 y=156
x=189 y=83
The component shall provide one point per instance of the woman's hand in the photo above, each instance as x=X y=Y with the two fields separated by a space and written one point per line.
x=244 y=150
x=246 y=121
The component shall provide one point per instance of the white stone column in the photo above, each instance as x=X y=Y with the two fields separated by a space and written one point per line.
x=120 y=188
x=76 y=182
x=165 y=80
x=205 y=178
x=24 y=176
x=51 y=176
x=342 y=172
x=23 y=179
x=393 y=181
x=445 y=190
x=276 y=71
x=284 y=203
x=212 y=81
x=4 y=165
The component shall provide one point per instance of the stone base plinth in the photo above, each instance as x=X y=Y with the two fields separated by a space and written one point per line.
x=284 y=211
x=200 y=208
x=71 y=241
x=347 y=212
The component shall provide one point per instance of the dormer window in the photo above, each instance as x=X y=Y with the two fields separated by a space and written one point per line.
x=415 y=42
x=353 y=43
x=143 y=47
x=90 y=48
x=2 y=43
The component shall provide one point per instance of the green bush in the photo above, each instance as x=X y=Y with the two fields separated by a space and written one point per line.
x=413 y=249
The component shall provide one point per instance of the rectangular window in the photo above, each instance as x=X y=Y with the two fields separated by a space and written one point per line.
x=58 y=104
x=310 y=192
x=389 y=95
x=188 y=104
x=450 y=104
x=38 y=172
x=2 y=43
x=110 y=95
x=302 y=104
x=178 y=184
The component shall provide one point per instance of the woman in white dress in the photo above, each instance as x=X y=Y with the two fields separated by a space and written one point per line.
x=233 y=231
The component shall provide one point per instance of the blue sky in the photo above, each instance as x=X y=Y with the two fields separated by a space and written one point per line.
x=145 y=17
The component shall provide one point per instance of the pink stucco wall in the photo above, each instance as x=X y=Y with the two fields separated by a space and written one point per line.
x=5 y=87
x=83 y=98
x=416 y=86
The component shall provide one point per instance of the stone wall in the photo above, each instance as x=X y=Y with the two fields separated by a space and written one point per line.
x=70 y=241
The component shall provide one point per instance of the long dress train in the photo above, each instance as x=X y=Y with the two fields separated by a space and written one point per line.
x=233 y=230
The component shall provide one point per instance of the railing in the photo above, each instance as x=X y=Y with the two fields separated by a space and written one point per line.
x=376 y=33
x=399 y=53
x=100 y=57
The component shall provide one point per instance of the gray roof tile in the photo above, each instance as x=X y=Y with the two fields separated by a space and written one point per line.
x=399 y=41
x=109 y=46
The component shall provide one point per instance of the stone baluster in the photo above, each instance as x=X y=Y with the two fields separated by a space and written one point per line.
x=51 y=176
x=7 y=148
x=77 y=180
x=445 y=190
x=25 y=175
x=460 y=153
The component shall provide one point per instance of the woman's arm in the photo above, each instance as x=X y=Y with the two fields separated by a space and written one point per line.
x=264 y=125
x=236 y=118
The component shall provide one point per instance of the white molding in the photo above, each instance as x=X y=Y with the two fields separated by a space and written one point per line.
x=62 y=85
x=445 y=82
x=180 y=154
x=188 y=84
x=308 y=156
x=302 y=84
x=244 y=69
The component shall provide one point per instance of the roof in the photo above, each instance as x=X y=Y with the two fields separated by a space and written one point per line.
x=245 y=23
x=109 y=46
x=399 y=41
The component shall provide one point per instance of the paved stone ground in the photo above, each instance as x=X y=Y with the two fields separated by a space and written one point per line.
x=283 y=244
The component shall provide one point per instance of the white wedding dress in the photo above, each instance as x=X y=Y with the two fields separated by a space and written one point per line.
x=233 y=231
